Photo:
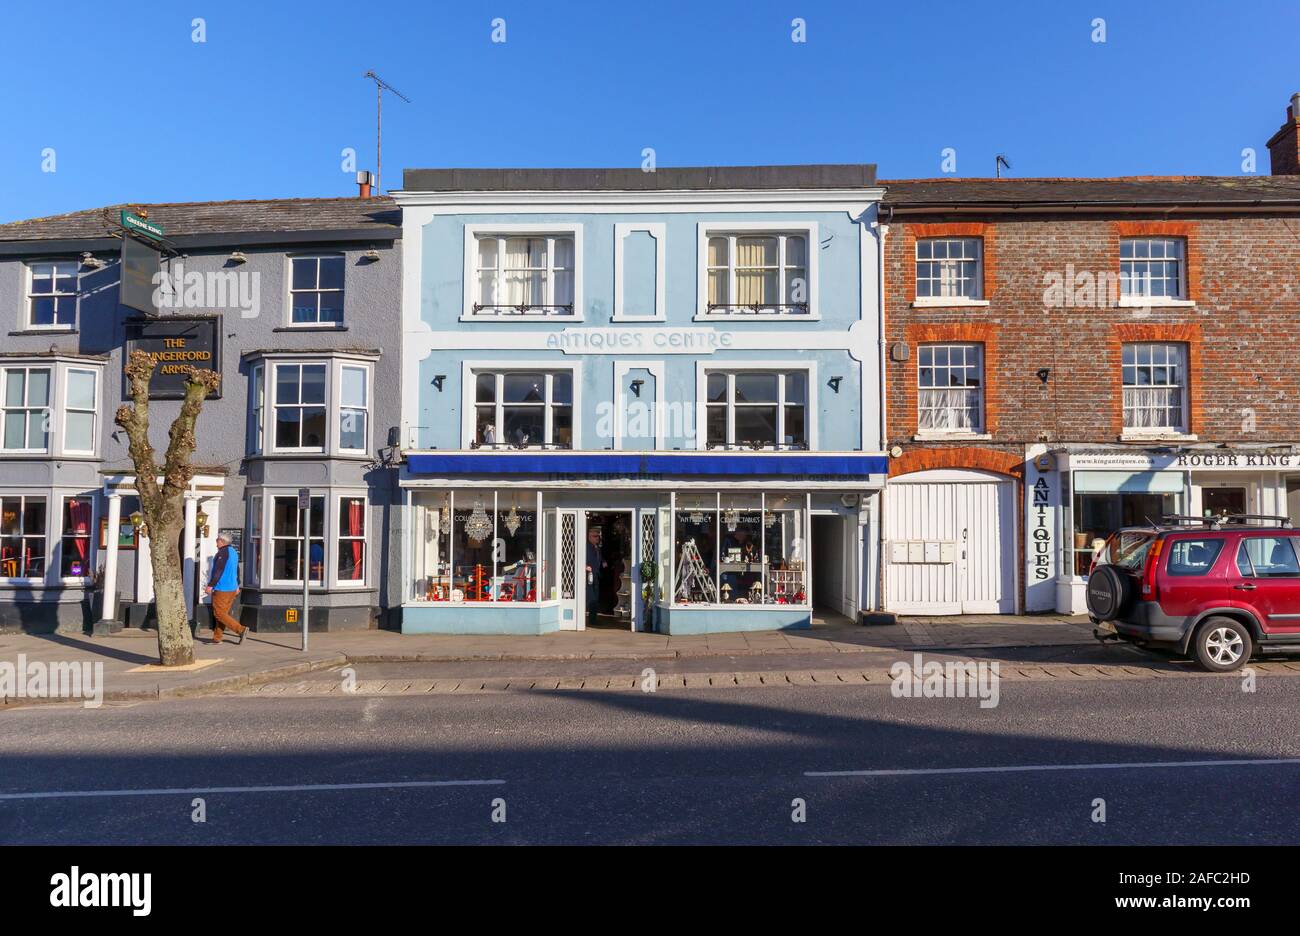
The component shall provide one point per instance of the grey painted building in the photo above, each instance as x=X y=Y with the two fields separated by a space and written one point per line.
x=297 y=303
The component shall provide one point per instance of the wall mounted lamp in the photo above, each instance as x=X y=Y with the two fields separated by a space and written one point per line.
x=834 y=383
x=437 y=381
x=1044 y=373
x=237 y=257
x=636 y=386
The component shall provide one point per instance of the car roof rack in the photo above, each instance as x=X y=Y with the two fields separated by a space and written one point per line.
x=1236 y=519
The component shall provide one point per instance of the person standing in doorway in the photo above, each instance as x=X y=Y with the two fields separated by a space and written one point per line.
x=594 y=566
x=223 y=586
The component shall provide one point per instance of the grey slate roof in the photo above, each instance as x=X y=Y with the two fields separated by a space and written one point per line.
x=378 y=215
x=675 y=178
x=1228 y=191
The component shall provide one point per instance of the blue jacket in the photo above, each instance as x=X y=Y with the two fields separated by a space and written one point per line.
x=225 y=570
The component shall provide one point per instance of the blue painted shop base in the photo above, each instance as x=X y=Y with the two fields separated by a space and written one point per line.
x=545 y=619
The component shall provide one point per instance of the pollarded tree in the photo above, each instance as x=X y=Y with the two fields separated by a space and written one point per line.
x=163 y=504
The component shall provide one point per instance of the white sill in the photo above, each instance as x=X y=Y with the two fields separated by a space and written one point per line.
x=952 y=436
x=1154 y=302
x=932 y=302
x=1157 y=436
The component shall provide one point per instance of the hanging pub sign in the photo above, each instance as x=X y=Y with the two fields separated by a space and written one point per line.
x=139 y=268
x=176 y=344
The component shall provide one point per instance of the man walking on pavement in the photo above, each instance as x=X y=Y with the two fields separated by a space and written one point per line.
x=223 y=586
x=595 y=564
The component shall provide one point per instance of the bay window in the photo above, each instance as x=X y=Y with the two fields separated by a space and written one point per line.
x=74 y=547
x=352 y=540
x=287 y=536
x=756 y=409
x=300 y=407
x=253 y=561
x=27 y=402
x=354 y=407
x=525 y=409
x=80 y=405
x=22 y=537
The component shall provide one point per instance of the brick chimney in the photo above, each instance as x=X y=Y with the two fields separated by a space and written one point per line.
x=1284 y=146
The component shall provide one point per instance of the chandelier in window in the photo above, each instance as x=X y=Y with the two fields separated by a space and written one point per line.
x=769 y=519
x=512 y=521
x=696 y=517
x=479 y=525
x=731 y=517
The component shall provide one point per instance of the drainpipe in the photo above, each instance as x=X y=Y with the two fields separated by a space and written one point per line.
x=882 y=231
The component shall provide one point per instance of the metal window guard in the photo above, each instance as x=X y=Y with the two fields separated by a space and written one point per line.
x=770 y=308
x=523 y=308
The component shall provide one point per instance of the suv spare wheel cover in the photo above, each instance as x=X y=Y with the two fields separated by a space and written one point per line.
x=1108 y=592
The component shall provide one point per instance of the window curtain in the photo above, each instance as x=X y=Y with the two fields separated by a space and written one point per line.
x=356 y=525
x=1152 y=407
x=79 y=518
x=955 y=408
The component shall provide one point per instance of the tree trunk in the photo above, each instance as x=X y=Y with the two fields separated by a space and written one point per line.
x=175 y=641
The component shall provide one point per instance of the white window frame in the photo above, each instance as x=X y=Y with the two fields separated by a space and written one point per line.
x=977 y=431
x=702 y=372
x=253 y=570
x=706 y=229
x=275 y=406
x=366 y=409
x=336 y=581
x=658 y=231
x=470 y=273
x=1143 y=300
x=50 y=524
x=28 y=323
x=289 y=290
x=948 y=301
x=92 y=542
x=257 y=407
x=1181 y=430
x=94 y=413
x=469 y=412
x=269 y=537
x=51 y=435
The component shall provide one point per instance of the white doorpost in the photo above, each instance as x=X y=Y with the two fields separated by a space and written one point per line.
x=188 y=565
x=109 y=611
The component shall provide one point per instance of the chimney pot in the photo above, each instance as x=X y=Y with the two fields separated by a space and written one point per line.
x=364 y=182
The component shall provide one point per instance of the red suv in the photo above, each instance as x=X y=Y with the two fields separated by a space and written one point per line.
x=1220 y=588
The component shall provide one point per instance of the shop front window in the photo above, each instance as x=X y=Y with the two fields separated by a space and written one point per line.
x=287 y=536
x=352 y=540
x=476 y=546
x=22 y=537
x=740 y=549
x=1098 y=515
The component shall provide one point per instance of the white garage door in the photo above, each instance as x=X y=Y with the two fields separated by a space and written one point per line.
x=950 y=544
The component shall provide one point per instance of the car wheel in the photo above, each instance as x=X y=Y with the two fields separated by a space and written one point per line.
x=1223 y=644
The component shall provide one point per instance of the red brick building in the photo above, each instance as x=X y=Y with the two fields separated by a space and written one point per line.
x=1064 y=356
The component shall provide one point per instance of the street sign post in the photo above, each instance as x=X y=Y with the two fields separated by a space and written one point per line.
x=304 y=504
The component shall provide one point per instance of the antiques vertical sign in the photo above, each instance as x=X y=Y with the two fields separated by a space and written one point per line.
x=1042 y=484
x=176 y=344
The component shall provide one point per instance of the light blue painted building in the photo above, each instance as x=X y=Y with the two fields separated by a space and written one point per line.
x=647 y=400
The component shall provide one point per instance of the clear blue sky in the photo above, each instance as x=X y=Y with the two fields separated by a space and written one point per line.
x=136 y=111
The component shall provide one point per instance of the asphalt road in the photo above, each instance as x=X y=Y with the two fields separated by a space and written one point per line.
x=714 y=766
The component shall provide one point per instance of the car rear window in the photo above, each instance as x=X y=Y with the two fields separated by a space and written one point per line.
x=1193 y=556
x=1127 y=549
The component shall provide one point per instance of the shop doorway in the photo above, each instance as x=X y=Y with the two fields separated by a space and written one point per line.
x=609 y=539
x=828 y=568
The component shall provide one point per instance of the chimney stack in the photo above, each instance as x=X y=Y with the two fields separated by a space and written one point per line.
x=364 y=182
x=1284 y=146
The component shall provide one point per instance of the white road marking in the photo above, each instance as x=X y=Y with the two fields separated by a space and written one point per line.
x=299 y=788
x=1033 y=768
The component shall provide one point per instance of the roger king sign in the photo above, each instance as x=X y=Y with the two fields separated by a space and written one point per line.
x=176 y=344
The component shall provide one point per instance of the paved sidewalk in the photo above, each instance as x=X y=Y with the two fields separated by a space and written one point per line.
x=128 y=675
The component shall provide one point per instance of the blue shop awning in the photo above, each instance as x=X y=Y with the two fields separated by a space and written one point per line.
x=752 y=464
